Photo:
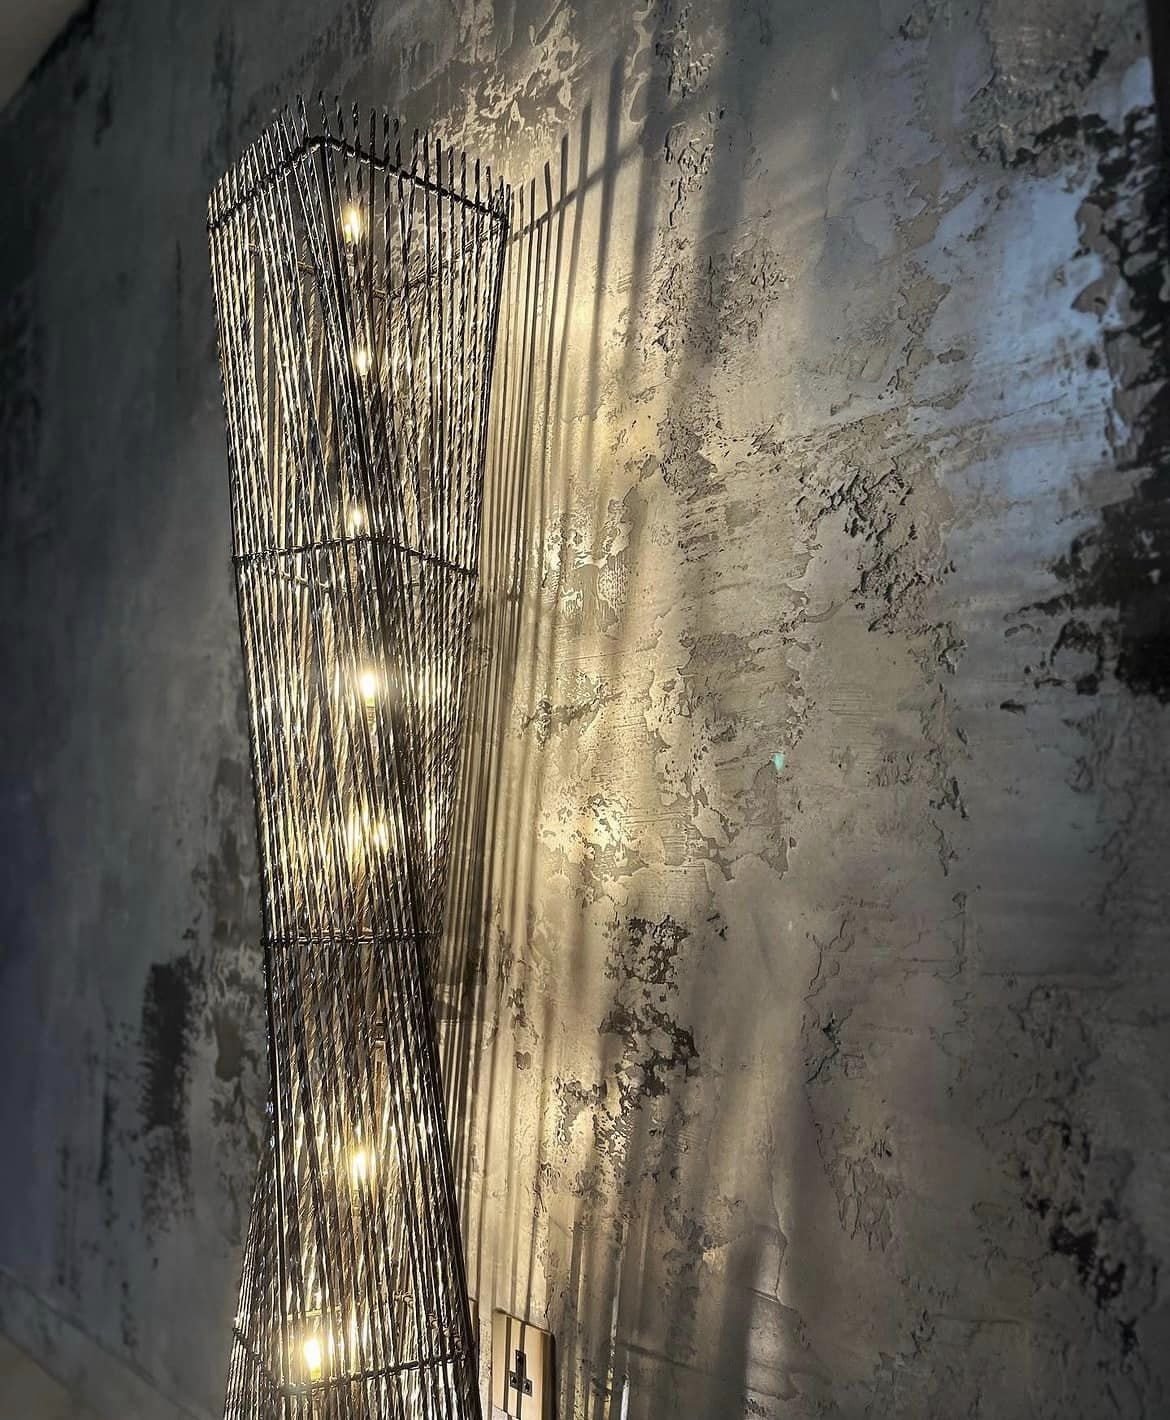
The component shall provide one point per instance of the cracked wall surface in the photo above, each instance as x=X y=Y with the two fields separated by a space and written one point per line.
x=804 y=1007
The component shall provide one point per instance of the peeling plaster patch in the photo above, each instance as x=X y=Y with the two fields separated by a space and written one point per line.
x=1075 y=1191
x=921 y=297
x=875 y=481
x=1042 y=58
x=1113 y=619
x=864 y=1178
x=578 y=712
x=927 y=188
x=593 y=843
x=689 y=148
x=647 y=952
x=657 y=1054
x=713 y=295
x=589 y=566
x=718 y=302
x=684 y=1264
x=879 y=483
x=1121 y=569
x=502 y=85
x=655 y=1046
x=822 y=1028
x=575 y=1099
x=710 y=743
x=686 y=470
x=686 y=57
x=1075 y=1194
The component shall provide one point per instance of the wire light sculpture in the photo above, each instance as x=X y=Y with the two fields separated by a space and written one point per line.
x=357 y=296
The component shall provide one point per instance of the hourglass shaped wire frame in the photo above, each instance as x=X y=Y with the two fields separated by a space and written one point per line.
x=357 y=292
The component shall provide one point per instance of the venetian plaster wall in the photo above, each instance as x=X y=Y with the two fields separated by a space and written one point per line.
x=805 y=1004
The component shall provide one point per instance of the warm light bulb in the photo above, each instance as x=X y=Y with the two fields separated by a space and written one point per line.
x=361 y=359
x=357 y=519
x=360 y=1166
x=313 y=1358
x=351 y=224
x=368 y=685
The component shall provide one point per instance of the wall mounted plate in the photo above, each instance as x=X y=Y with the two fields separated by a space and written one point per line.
x=522 y=1369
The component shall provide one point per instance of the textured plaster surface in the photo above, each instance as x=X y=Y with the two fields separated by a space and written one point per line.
x=805 y=1002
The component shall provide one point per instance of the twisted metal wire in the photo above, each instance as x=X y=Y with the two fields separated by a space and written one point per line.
x=357 y=294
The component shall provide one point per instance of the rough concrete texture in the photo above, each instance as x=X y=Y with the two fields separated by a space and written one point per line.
x=805 y=1003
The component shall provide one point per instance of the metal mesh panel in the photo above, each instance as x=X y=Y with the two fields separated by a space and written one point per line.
x=357 y=291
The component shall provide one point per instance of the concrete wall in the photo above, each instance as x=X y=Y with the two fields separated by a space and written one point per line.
x=28 y=1392
x=805 y=1003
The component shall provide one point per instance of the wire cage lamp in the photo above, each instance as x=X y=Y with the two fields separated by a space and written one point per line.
x=357 y=279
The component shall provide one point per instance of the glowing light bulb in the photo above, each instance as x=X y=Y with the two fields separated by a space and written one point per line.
x=351 y=224
x=314 y=1360
x=361 y=359
x=368 y=685
x=361 y=1165
x=357 y=519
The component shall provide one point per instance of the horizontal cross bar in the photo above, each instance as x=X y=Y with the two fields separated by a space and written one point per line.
x=313 y=145
x=270 y=554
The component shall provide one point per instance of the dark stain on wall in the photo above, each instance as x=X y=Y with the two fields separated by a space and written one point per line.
x=1114 y=619
x=23 y=510
x=657 y=1049
x=168 y=1023
x=229 y=1046
x=1158 y=24
x=1073 y=1185
x=166 y=1028
x=1123 y=566
x=107 y=1136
